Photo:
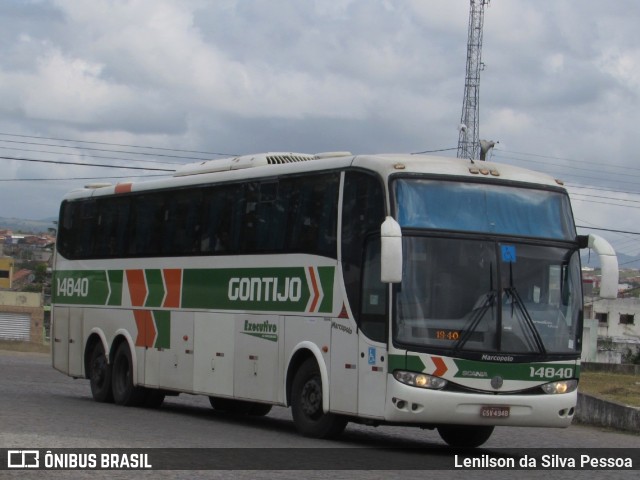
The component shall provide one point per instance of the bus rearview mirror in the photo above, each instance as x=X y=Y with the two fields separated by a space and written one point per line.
x=391 y=251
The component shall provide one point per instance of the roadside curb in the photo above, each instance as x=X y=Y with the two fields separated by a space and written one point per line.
x=596 y=411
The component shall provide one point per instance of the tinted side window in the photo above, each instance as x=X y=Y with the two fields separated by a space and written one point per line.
x=363 y=212
x=148 y=217
x=312 y=206
x=222 y=207
x=76 y=234
x=112 y=227
x=181 y=225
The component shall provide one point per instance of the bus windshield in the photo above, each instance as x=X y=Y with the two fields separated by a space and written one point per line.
x=488 y=296
x=481 y=207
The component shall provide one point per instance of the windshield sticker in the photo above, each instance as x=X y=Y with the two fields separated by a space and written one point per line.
x=508 y=253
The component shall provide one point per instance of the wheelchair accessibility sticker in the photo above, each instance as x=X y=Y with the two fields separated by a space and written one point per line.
x=508 y=253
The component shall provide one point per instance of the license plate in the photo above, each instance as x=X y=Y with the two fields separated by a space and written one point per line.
x=492 y=411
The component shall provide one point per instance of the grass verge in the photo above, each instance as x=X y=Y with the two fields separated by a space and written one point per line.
x=19 y=346
x=616 y=387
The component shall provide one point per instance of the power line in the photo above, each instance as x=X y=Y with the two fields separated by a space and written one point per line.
x=83 y=155
x=59 y=162
x=604 y=198
x=582 y=162
x=592 y=187
x=115 y=144
x=77 y=178
x=434 y=151
x=107 y=150
x=582 y=169
x=608 y=230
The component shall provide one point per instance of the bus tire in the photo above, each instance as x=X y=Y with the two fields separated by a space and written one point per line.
x=100 y=375
x=124 y=391
x=465 y=436
x=306 y=405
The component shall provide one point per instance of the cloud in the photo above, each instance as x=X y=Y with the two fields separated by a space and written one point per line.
x=361 y=75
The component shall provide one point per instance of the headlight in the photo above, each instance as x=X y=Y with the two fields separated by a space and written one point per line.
x=419 y=380
x=563 y=386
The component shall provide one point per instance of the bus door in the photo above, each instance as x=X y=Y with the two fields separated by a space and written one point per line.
x=374 y=326
x=176 y=362
x=344 y=366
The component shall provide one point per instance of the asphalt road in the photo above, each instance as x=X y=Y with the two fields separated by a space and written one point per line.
x=42 y=408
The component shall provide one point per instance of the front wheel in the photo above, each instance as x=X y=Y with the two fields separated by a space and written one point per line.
x=465 y=436
x=306 y=404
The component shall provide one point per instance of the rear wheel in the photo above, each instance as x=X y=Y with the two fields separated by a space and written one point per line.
x=124 y=391
x=465 y=436
x=306 y=404
x=100 y=375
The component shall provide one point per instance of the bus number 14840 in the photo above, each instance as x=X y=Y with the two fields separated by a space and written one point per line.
x=551 y=372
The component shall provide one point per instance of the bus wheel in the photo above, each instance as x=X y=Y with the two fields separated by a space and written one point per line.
x=100 y=375
x=259 y=409
x=465 y=436
x=229 y=405
x=124 y=392
x=306 y=404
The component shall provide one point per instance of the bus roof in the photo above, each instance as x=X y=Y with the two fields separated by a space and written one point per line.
x=265 y=165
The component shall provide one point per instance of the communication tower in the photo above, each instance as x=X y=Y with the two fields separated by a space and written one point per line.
x=469 y=139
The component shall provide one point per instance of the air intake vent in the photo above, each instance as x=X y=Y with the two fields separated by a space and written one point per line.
x=277 y=159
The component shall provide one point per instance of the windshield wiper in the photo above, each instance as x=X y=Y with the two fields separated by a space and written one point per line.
x=517 y=301
x=476 y=318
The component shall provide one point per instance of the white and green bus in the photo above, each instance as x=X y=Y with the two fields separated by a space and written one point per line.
x=380 y=289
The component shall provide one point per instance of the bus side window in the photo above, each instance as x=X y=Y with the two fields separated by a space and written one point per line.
x=312 y=203
x=373 y=310
x=181 y=228
x=84 y=220
x=221 y=205
x=147 y=223
x=112 y=228
x=363 y=211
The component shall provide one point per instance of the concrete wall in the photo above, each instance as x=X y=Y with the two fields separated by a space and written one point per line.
x=20 y=299
x=596 y=411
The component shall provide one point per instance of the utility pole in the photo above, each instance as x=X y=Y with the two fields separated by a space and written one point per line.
x=469 y=139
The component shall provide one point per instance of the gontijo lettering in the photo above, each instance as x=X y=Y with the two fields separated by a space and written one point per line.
x=257 y=289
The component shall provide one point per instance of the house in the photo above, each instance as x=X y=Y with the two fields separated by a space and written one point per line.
x=611 y=329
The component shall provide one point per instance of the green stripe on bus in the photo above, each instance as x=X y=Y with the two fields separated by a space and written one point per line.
x=254 y=289
x=80 y=287
x=284 y=289
x=155 y=288
x=162 y=320
x=516 y=371
x=326 y=280
x=115 y=287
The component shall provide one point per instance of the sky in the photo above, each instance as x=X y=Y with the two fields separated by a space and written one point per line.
x=93 y=82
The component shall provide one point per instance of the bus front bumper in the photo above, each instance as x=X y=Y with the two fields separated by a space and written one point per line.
x=408 y=404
